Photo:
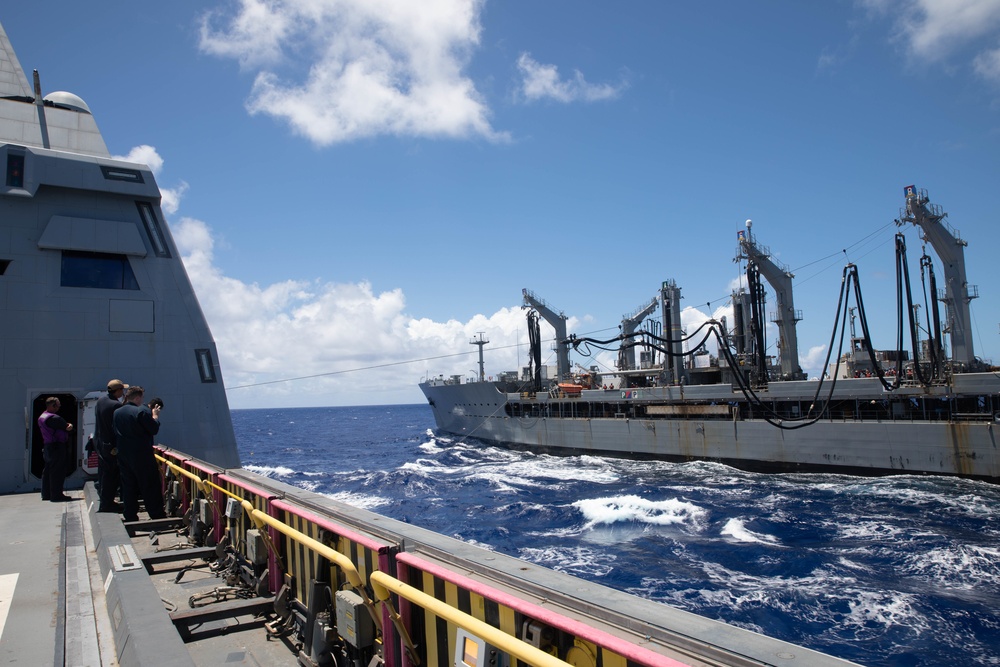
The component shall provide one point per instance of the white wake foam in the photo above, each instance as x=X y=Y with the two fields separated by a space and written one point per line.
x=581 y=561
x=633 y=508
x=736 y=529
x=270 y=471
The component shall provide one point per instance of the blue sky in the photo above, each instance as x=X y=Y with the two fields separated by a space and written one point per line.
x=363 y=183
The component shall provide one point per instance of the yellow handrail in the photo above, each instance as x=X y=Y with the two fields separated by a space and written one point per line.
x=383 y=585
x=261 y=519
x=332 y=555
x=203 y=484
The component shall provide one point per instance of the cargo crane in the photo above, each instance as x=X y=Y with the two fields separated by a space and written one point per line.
x=626 y=354
x=950 y=249
x=786 y=317
x=557 y=322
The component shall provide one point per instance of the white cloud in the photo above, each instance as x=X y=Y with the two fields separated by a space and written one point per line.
x=812 y=361
x=933 y=30
x=543 y=82
x=146 y=155
x=333 y=344
x=365 y=67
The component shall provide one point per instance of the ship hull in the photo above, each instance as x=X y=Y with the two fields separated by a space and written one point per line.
x=878 y=445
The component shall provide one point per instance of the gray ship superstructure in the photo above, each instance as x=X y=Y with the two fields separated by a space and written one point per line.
x=91 y=287
x=874 y=412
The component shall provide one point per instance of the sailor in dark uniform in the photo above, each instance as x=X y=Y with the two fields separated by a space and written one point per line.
x=135 y=425
x=108 y=476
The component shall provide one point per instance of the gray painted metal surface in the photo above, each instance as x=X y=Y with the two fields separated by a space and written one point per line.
x=878 y=444
x=63 y=199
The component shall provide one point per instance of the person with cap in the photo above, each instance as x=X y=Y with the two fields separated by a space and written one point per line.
x=108 y=475
x=135 y=425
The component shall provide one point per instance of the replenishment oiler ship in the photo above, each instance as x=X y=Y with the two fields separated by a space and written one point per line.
x=910 y=410
x=244 y=570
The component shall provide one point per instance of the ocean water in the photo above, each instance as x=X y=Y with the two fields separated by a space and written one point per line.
x=882 y=571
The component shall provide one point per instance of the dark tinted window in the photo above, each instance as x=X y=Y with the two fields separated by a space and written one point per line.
x=15 y=170
x=94 y=269
x=206 y=366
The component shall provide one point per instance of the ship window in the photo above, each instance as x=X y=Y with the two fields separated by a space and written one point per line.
x=15 y=170
x=153 y=229
x=117 y=174
x=97 y=269
x=205 y=365
x=4 y=263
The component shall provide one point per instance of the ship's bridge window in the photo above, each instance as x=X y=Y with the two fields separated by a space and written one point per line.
x=121 y=174
x=97 y=269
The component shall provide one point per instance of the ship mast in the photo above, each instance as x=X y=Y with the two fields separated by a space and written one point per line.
x=481 y=341
x=950 y=248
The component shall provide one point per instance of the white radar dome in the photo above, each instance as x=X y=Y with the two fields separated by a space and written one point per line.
x=65 y=100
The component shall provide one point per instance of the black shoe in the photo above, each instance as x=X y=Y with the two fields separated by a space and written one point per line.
x=61 y=499
x=114 y=509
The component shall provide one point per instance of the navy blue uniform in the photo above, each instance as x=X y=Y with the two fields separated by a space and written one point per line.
x=108 y=476
x=134 y=430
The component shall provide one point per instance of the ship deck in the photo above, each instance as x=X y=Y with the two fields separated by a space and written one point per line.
x=55 y=607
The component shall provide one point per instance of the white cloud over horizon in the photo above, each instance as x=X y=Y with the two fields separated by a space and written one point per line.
x=315 y=343
x=358 y=68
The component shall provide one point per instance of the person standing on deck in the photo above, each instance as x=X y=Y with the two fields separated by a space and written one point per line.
x=135 y=425
x=108 y=475
x=56 y=451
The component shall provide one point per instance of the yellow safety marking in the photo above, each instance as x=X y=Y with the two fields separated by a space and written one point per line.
x=478 y=605
x=610 y=659
x=430 y=627
x=507 y=624
x=451 y=599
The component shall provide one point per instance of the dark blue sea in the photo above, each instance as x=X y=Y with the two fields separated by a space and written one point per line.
x=882 y=571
